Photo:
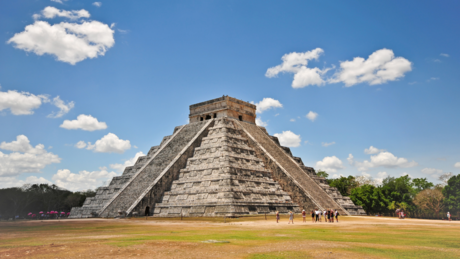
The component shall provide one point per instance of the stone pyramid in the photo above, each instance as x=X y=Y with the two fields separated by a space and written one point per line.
x=220 y=164
x=224 y=177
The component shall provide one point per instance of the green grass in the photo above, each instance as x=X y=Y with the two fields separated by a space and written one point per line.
x=386 y=240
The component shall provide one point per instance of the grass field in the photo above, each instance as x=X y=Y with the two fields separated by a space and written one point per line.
x=248 y=237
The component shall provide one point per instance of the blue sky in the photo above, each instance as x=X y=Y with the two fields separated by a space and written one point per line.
x=137 y=66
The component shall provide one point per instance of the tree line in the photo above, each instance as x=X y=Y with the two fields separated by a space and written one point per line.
x=418 y=197
x=19 y=201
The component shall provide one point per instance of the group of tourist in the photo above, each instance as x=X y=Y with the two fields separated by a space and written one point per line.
x=316 y=216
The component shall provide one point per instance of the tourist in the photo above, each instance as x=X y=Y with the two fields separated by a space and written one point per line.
x=291 y=217
x=312 y=216
x=277 y=216
x=448 y=216
x=325 y=217
x=304 y=214
x=332 y=215
x=317 y=215
x=337 y=216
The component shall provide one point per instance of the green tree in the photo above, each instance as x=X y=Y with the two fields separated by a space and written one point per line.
x=399 y=190
x=421 y=184
x=371 y=198
x=322 y=174
x=451 y=193
x=344 y=184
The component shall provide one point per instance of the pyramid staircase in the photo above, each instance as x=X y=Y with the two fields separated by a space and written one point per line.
x=224 y=178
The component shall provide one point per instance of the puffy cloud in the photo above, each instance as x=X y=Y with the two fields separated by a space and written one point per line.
x=330 y=164
x=69 y=42
x=384 y=159
x=296 y=63
x=129 y=162
x=84 y=122
x=267 y=103
x=432 y=172
x=457 y=165
x=51 y=12
x=24 y=158
x=63 y=107
x=259 y=122
x=325 y=144
x=350 y=159
x=80 y=144
x=292 y=120
x=373 y=150
x=97 y=4
x=444 y=55
x=288 y=139
x=380 y=67
x=110 y=143
x=6 y=182
x=312 y=116
x=21 y=103
x=83 y=180
x=59 y=1
x=380 y=176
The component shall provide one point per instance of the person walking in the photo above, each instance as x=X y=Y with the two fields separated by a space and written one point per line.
x=291 y=217
x=312 y=216
x=317 y=215
x=324 y=215
x=277 y=216
x=337 y=216
x=304 y=214
x=332 y=215
x=329 y=215
x=448 y=216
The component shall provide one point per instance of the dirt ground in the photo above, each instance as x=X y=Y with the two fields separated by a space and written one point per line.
x=252 y=237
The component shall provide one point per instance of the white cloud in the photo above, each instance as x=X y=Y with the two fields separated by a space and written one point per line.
x=296 y=63
x=84 y=122
x=129 y=162
x=63 y=107
x=432 y=79
x=350 y=159
x=24 y=158
x=51 y=12
x=110 y=143
x=379 y=68
x=6 y=182
x=312 y=116
x=292 y=120
x=444 y=55
x=97 y=4
x=325 y=144
x=384 y=159
x=69 y=42
x=267 y=103
x=380 y=177
x=80 y=144
x=83 y=180
x=330 y=164
x=457 y=165
x=288 y=139
x=21 y=103
x=432 y=172
x=373 y=150
x=259 y=122
x=59 y=1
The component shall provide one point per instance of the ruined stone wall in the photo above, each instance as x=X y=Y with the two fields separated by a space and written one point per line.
x=155 y=194
x=135 y=188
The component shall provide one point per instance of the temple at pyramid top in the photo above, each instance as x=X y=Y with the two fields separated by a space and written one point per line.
x=224 y=106
x=219 y=164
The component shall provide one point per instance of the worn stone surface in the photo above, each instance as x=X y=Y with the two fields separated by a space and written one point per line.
x=224 y=178
x=224 y=165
